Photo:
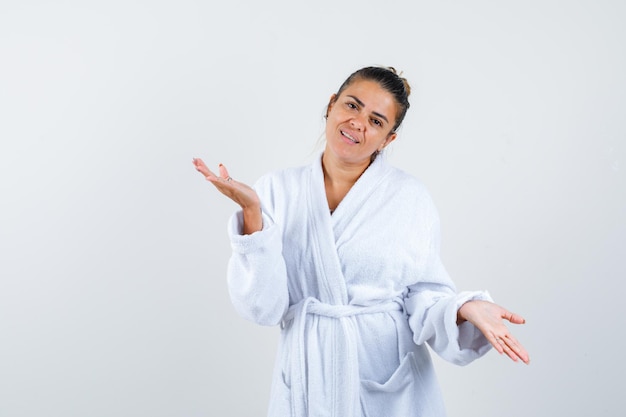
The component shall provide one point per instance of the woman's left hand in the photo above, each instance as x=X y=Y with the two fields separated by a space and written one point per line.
x=487 y=317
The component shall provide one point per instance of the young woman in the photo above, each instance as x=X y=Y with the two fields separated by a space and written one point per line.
x=344 y=255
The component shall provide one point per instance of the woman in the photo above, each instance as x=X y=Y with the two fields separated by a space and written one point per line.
x=344 y=255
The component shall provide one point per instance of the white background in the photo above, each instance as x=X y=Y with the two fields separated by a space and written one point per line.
x=113 y=249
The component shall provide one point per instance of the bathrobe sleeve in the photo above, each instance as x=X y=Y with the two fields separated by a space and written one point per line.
x=432 y=304
x=257 y=275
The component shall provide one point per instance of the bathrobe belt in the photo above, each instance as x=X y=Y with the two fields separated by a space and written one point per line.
x=345 y=339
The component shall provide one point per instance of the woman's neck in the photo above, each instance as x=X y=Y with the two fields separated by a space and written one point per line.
x=339 y=178
x=341 y=173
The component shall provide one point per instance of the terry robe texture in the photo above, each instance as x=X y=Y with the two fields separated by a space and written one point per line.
x=358 y=294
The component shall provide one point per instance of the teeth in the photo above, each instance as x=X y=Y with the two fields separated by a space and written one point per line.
x=349 y=137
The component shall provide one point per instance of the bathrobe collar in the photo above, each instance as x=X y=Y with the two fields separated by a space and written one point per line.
x=327 y=229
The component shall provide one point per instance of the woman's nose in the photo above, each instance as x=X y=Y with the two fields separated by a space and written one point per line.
x=357 y=123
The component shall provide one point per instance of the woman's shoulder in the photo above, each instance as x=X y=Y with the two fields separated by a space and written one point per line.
x=410 y=192
x=280 y=187
x=409 y=183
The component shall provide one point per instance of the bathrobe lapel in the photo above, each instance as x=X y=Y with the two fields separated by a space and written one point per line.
x=328 y=229
x=353 y=207
x=332 y=283
x=330 y=350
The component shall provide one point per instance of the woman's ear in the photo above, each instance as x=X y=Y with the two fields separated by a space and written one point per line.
x=390 y=138
x=332 y=100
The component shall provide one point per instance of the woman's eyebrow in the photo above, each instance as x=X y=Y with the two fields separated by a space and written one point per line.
x=360 y=103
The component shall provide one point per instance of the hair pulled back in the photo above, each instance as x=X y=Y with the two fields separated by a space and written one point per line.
x=389 y=79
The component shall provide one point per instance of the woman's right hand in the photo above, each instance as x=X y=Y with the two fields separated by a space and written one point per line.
x=240 y=193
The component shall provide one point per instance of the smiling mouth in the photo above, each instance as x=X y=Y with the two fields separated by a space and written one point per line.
x=347 y=135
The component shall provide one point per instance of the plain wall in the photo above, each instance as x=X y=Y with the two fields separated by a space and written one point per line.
x=113 y=250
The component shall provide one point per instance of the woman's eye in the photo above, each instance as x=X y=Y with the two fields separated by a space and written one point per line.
x=351 y=105
x=377 y=122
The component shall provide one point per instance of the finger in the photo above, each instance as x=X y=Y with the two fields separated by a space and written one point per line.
x=513 y=349
x=508 y=350
x=201 y=167
x=514 y=318
x=511 y=340
x=224 y=172
x=495 y=342
x=517 y=348
x=198 y=163
x=511 y=354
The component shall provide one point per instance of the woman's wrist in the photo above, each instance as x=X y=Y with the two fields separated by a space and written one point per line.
x=252 y=219
x=460 y=318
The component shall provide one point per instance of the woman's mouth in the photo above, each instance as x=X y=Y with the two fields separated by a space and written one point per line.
x=349 y=137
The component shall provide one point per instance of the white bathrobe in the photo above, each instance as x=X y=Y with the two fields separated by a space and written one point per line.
x=358 y=294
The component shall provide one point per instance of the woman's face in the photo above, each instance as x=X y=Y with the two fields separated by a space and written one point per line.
x=359 y=122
